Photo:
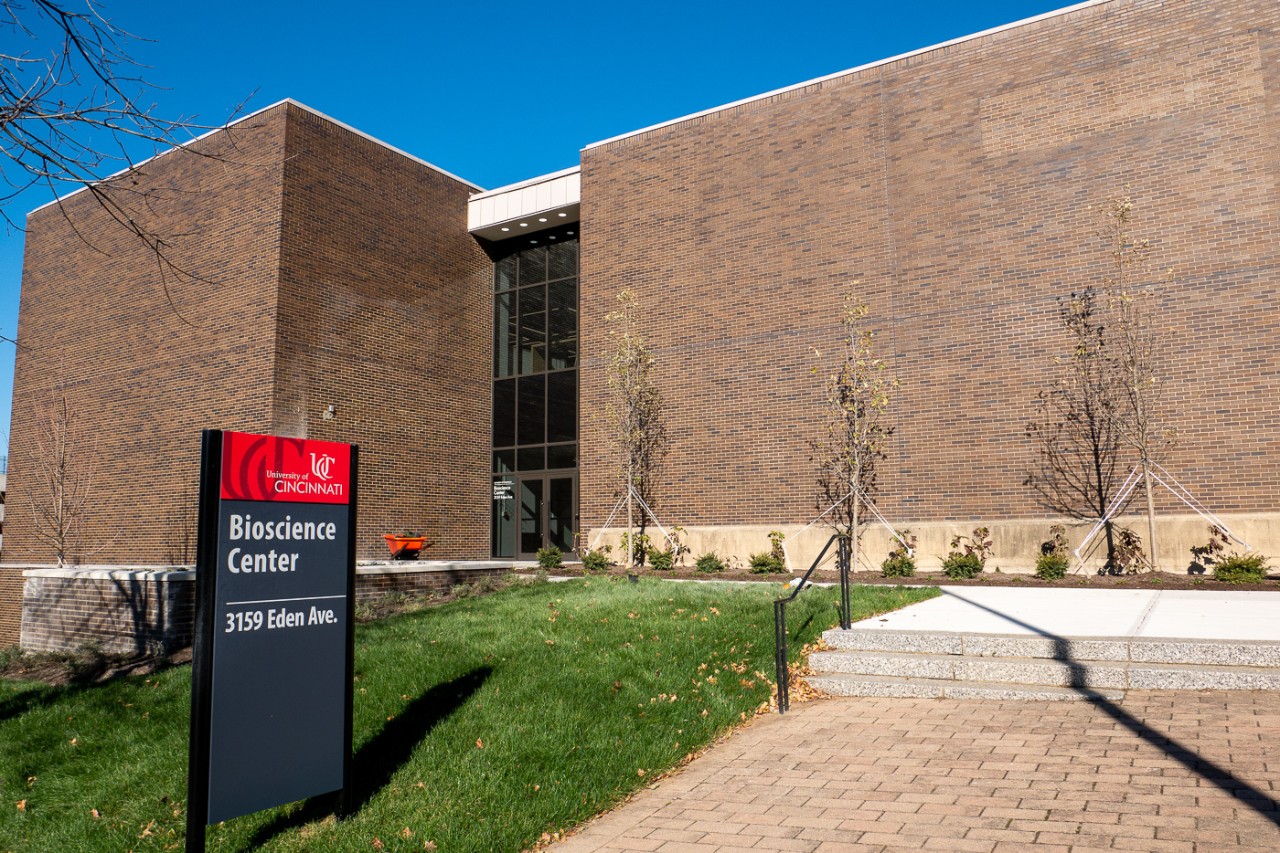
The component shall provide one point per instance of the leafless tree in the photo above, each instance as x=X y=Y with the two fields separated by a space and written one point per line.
x=856 y=406
x=635 y=410
x=1137 y=345
x=1076 y=425
x=62 y=472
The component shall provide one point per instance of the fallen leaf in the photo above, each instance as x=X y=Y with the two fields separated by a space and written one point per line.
x=95 y=814
x=428 y=845
x=377 y=843
x=406 y=833
x=22 y=805
x=479 y=743
x=640 y=772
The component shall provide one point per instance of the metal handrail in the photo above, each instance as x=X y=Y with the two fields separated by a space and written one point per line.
x=780 y=614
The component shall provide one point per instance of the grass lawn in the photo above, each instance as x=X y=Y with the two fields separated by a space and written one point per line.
x=479 y=725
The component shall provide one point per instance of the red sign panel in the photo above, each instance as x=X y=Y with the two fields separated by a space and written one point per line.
x=270 y=468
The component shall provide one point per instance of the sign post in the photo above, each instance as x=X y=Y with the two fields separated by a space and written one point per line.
x=271 y=686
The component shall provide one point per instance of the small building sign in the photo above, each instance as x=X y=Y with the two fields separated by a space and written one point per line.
x=271 y=686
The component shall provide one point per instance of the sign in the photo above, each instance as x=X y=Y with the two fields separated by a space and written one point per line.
x=503 y=490
x=271 y=688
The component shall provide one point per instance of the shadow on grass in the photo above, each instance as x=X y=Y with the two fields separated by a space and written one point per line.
x=1255 y=798
x=29 y=700
x=379 y=759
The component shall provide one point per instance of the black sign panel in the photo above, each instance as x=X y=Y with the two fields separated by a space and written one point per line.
x=271 y=689
x=277 y=716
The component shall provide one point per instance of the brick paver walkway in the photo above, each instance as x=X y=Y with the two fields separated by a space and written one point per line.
x=1160 y=771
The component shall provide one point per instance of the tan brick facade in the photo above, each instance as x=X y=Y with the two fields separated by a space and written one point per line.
x=955 y=185
x=326 y=270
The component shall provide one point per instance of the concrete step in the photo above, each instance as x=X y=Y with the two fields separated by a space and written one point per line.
x=1251 y=653
x=1117 y=675
x=838 y=684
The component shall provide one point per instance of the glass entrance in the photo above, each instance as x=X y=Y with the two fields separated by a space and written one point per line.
x=531 y=513
x=535 y=393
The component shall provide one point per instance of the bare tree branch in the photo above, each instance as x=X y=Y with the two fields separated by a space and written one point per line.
x=76 y=113
x=635 y=411
x=1076 y=426
x=62 y=468
x=852 y=446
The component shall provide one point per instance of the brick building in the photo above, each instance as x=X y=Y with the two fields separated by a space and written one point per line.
x=458 y=335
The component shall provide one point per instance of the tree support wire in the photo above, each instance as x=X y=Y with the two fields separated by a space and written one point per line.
x=1175 y=488
x=644 y=506
x=786 y=555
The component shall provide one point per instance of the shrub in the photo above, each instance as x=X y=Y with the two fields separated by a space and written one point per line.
x=1204 y=557
x=639 y=549
x=898 y=566
x=596 y=560
x=766 y=563
x=1057 y=542
x=900 y=563
x=978 y=545
x=677 y=545
x=776 y=538
x=662 y=561
x=1239 y=568
x=1052 y=567
x=968 y=555
x=959 y=566
x=550 y=558
x=709 y=562
x=1129 y=556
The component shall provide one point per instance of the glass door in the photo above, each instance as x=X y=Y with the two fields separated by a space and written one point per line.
x=534 y=512
x=562 y=520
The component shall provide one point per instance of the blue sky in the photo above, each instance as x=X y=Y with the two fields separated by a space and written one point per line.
x=497 y=92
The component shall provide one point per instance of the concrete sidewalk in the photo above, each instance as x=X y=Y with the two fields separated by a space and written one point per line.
x=1185 y=614
x=1186 y=771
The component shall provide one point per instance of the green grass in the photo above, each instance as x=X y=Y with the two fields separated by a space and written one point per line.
x=479 y=725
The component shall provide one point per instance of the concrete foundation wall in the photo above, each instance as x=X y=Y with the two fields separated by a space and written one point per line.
x=1015 y=543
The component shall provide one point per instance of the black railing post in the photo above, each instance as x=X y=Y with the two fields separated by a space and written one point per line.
x=780 y=624
x=842 y=562
x=780 y=654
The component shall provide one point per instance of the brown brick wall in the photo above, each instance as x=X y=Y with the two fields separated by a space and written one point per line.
x=326 y=269
x=148 y=357
x=372 y=586
x=386 y=315
x=955 y=186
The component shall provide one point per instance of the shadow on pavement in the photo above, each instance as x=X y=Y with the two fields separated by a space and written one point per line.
x=1219 y=776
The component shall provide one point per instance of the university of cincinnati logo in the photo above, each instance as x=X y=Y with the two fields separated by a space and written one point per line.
x=322 y=465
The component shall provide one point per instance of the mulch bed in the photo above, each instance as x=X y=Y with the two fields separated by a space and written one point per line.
x=1087 y=580
x=86 y=667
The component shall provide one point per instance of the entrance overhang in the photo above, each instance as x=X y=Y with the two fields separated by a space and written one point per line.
x=530 y=206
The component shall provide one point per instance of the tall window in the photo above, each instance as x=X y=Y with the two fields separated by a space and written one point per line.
x=535 y=392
